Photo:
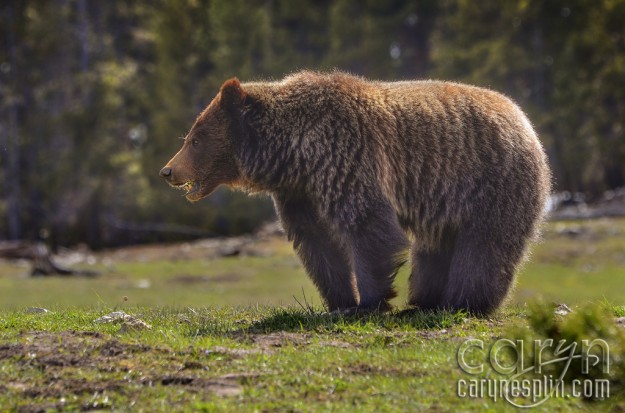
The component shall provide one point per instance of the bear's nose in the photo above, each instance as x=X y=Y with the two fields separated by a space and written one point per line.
x=166 y=172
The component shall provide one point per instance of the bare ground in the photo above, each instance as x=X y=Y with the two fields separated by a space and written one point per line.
x=60 y=366
x=59 y=356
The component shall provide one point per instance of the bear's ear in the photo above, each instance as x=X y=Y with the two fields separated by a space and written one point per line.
x=232 y=94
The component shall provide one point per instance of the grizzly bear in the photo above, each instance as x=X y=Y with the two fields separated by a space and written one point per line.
x=360 y=171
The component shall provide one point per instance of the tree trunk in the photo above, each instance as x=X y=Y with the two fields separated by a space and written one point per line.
x=13 y=141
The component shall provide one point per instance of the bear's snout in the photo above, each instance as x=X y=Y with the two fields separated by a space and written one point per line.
x=165 y=172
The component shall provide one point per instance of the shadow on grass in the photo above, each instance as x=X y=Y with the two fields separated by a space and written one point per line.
x=307 y=320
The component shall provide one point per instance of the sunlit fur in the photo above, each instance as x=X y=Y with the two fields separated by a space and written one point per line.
x=362 y=172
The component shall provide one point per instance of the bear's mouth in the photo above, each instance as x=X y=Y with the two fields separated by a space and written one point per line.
x=196 y=189
x=189 y=187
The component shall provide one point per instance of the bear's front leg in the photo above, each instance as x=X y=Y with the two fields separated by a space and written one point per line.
x=324 y=256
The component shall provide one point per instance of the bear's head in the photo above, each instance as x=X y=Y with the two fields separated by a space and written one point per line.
x=207 y=157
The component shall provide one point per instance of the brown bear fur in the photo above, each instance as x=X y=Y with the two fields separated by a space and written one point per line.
x=355 y=166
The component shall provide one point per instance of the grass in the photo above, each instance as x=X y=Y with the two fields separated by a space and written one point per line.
x=228 y=334
x=271 y=279
x=245 y=359
x=577 y=262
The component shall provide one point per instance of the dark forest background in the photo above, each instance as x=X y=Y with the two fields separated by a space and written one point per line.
x=94 y=94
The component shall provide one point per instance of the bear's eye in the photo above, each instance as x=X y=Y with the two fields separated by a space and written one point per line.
x=195 y=142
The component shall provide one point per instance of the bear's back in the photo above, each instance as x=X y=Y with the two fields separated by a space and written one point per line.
x=451 y=110
x=461 y=146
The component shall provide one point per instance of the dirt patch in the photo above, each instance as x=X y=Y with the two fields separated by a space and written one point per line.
x=433 y=334
x=235 y=352
x=279 y=339
x=114 y=348
x=202 y=279
x=41 y=408
x=69 y=349
x=336 y=343
x=63 y=387
x=80 y=364
x=190 y=279
x=229 y=277
x=246 y=377
x=59 y=356
x=45 y=349
x=363 y=369
x=219 y=386
x=270 y=343
x=9 y=350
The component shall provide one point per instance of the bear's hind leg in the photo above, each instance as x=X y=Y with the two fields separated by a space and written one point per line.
x=430 y=273
x=482 y=269
x=324 y=257
x=379 y=246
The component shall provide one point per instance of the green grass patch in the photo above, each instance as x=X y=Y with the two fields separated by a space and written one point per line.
x=247 y=359
x=576 y=262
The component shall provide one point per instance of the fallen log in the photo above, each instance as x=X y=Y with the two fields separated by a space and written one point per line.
x=40 y=257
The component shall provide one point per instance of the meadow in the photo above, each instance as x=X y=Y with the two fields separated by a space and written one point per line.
x=248 y=333
x=575 y=262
